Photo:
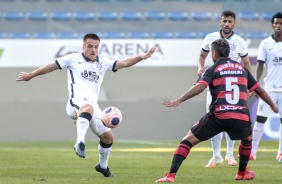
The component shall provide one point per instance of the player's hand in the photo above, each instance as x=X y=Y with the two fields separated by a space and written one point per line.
x=275 y=109
x=24 y=76
x=200 y=72
x=149 y=53
x=171 y=103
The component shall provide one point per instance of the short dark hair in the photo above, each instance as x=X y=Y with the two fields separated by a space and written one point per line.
x=277 y=15
x=91 y=36
x=228 y=13
x=222 y=47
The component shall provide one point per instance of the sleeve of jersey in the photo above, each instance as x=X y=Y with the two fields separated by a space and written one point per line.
x=261 y=54
x=252 y=83
x=64 y=61
x=205 y=79
x=206 y=45
x=243 y=48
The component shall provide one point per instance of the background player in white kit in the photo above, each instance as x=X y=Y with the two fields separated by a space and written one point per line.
x=85 y=75
x=270 y=54
x=238 y=49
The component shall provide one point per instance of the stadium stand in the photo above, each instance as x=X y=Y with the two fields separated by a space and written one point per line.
x=161 y=35
x=249 y=15
x=84 y=16
x=67 y=35
x=19 y=35
x=44 y=35
x=141 y=35
x=257 y=34
x=186 y=34
x=114 y=35
x=178 y=17
x=37 y=16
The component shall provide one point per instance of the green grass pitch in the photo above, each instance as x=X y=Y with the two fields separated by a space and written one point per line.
x=132 y=162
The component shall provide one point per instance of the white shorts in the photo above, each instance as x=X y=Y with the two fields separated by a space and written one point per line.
x=96 y=125
x=265 y=110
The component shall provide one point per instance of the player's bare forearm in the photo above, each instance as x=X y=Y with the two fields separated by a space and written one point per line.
x=265 y=97
x=201 y=62
x=246 y=63
x=127 y=62
x=194 y=91
x=259 y=70
x=24 y=76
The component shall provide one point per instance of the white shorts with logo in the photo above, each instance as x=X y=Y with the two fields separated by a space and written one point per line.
x=264 y=109
x=96 y=125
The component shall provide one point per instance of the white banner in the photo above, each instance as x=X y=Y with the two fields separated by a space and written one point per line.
x=35 y=53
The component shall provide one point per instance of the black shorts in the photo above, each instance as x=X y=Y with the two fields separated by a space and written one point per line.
x=209 y=126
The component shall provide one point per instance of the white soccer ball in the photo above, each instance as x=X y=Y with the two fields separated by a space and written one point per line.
x=111 y=117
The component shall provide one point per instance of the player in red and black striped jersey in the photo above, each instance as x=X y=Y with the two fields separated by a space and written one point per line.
x=228 y=82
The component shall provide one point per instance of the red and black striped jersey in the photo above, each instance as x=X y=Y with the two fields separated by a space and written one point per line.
x=229 y=83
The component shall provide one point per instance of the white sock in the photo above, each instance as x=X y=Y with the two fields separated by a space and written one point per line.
x=104 y=154
x=257 y=133
x=216 y=144
x=229 y=143
x=280 y=140
x=82 y=125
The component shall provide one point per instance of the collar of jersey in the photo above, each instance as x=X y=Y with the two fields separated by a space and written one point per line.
x=88 y=60
x=222 y=35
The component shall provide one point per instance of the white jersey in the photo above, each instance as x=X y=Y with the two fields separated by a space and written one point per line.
x=84 y=77
x=238 y=46
x=270 y=52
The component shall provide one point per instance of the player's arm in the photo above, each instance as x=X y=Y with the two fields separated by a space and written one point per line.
x=246 y=62
x=130 y=61
x=24 y=76
x=259 y=69
x=201 y=62
x=265 y=97
x=195 y=90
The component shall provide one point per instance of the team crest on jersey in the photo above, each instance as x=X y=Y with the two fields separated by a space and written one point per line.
x=99 y=65
x=232 y=46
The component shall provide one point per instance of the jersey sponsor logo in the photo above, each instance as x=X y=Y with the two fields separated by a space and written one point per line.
x=277 y=61
x=226 y=72
x=228 y=66
x=90 y=76
x=277 y=87
x=228 y=107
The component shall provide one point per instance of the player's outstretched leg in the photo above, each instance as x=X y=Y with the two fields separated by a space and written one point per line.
x=104 y=154
x=229 y=158
x=179 y=156
x=216 y=158
x=82 y=125
x=79 y=148
x=244 y=151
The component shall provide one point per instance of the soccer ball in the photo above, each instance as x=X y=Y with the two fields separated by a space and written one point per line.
x=111 y=117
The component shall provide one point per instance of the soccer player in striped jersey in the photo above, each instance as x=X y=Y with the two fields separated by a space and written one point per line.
x=270 y=54
x=85 y=75
x=238 y=51
x=229 y=82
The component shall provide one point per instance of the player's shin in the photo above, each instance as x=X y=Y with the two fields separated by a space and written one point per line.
x=82 y=125
x=180 y=155
x=244 y=152
x=104 y=154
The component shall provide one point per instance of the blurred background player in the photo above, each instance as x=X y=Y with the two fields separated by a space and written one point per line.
x=85 y=75
x=238 y=49
x=228 y=112
x=270 y=54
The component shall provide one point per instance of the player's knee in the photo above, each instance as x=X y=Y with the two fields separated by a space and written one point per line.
x=86 y=115
x=87 y=108
x=261 y=119
x=105 y=145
